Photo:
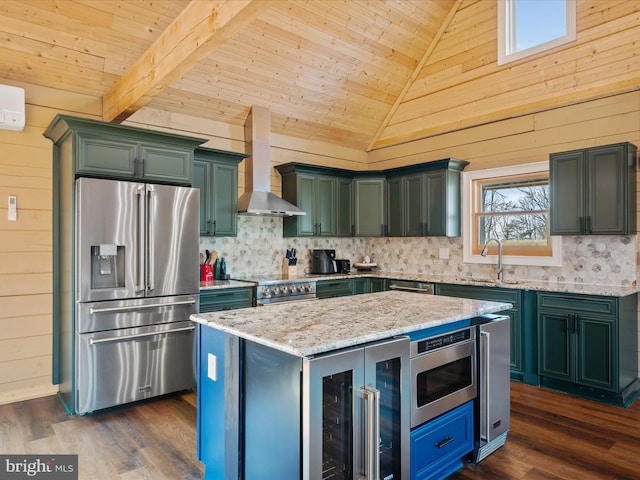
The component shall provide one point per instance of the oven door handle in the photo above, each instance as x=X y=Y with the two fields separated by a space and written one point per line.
x=94 y=341
x=372 y=432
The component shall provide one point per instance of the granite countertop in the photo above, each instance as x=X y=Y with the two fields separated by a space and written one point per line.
x=308 y=328
x=561 y=287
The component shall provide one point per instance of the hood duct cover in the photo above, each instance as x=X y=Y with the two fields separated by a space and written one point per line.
x=258 y=199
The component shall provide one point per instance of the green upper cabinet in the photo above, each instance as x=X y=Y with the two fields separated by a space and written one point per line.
x=215 y=173
x=369 y=193
x=593 y=191
x=116 y=151
x=324 y=194
x=424 y=199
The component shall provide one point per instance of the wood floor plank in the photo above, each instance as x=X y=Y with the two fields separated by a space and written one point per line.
x=553 y=436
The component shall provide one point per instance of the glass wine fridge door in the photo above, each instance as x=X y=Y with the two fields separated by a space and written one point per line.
x=356 y=413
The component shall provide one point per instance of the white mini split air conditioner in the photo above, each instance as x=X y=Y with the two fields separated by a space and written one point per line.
x=11 y=108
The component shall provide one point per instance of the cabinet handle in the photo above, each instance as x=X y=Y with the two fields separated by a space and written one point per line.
x=444 y=442
x=588 y=224
x=319 y=229
x=208 y=226
x=214 y=227
x=576 y=323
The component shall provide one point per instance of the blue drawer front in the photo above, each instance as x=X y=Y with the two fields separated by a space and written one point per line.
x=438 y=446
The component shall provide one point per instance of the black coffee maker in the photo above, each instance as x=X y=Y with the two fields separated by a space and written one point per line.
x=324 y=261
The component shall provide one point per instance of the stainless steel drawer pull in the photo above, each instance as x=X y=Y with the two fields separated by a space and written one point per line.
x=127 y=308
x=443 y=443
x=94 y=341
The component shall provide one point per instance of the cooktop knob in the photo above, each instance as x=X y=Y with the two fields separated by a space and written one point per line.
x=301 y=288
x=292 y=289
x=275 y=290
x=266 y=291
x=308 y=287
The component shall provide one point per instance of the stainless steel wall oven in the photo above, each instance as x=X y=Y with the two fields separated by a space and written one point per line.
x=443 y=373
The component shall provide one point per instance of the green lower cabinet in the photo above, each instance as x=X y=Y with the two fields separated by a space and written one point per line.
x=350 y=286
x=333 y=288
x=217 y=299
x=588 y=345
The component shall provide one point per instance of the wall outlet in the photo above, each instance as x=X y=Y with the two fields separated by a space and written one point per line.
x=13 y=208
x=444 y=254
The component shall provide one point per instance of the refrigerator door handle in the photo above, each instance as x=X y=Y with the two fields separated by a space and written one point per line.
x=94 y=341
x=128 y=308
x=140 y=240
x=372 y=432
x=486 y=381
x=151 y=238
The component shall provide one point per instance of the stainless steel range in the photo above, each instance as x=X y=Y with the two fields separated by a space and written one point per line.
x=276 y=289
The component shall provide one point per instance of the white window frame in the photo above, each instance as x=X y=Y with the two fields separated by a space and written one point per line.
x=467 y=218
x=506 y=33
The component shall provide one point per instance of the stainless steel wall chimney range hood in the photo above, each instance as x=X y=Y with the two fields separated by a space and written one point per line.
x=258 y=199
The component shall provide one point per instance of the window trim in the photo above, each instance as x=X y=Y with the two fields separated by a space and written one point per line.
x=555 y=260
x=506 y=38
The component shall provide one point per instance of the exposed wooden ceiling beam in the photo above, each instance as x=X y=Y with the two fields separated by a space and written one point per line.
x=416 y=72
x=200 y=28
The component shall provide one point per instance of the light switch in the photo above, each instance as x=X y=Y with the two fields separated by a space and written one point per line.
x=13 y=208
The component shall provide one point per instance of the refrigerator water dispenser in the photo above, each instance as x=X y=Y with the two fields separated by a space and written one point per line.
x=107 y=266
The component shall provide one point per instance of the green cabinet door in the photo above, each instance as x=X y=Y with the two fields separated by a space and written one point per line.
x=110 y=157
x=395 y=206
x=325 y=206
x=360 y=286
x=202 y=181
x=596 y=363
x=415 y=205
x=592 y=191
x=554 y=340
x=344 y=207
x=224 y=201
x=166 y=164
x=215 y=173
x=369 y=207
x=566 y=193
x=303 y=225
x=607 y=186
x=442 y=210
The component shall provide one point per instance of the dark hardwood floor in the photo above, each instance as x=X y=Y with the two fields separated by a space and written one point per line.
x=553 y=436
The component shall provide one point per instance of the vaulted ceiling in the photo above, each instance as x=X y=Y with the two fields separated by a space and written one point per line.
x=328 y=70
x=358 y=73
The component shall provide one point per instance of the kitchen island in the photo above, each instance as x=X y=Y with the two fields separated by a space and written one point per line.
x=262 y=371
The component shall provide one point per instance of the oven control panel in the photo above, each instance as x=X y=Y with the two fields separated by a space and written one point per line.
x=440 y=341
x=285 y=291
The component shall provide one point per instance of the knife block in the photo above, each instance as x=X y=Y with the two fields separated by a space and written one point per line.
x=288 y=271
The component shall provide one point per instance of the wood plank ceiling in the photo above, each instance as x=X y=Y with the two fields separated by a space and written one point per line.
x=359 y=73
x=328 y=70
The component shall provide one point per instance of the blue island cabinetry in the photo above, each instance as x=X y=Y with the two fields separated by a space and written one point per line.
x=438 y=446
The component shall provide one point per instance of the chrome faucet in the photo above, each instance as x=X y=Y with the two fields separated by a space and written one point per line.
x=484 y=254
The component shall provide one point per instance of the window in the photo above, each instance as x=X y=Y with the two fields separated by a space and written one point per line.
x=515 y=210
x=527 y=27
x=510 y=204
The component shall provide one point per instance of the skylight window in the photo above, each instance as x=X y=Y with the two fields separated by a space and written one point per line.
x=527 y=27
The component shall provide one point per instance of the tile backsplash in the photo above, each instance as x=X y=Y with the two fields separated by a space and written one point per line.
x=260 y=248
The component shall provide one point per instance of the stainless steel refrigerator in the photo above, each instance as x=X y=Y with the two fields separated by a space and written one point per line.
x=493 y=403
x=135 y=283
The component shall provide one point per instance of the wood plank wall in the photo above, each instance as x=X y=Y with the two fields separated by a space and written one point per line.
x=26 y=245
x=461 y=84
